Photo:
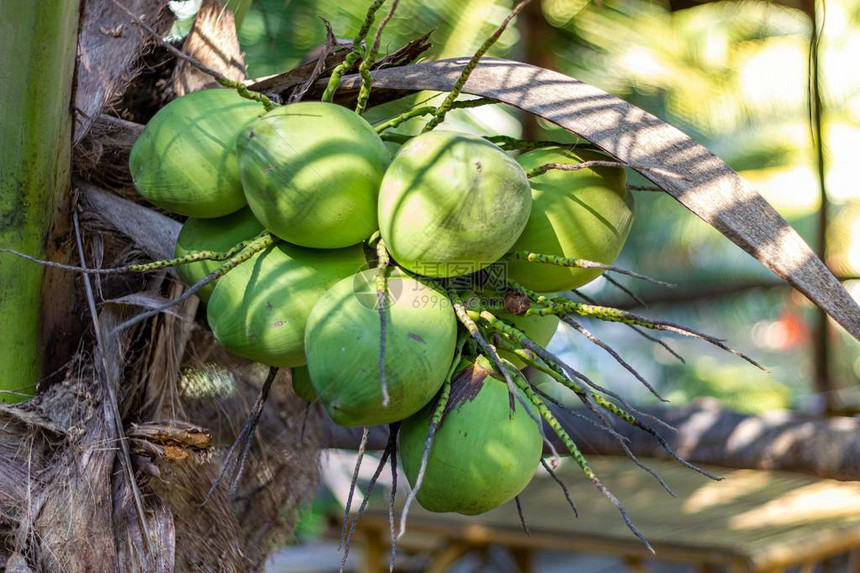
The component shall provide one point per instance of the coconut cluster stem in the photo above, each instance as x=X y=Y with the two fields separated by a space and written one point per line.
x=430 y=110
x=253 y=247
x=435 y=421
x=362 y=446
x=640 y=331
x=509 y=143
x=556 y=427
x=541 y=169
x=383 y=261
x=561 y=371
x=188 y=258
x=560 y=306
x=467 y=321
x=577 y=263
x=568 y=372
x=617 y=284
x=567 y=319
x=439 y=116
x=577 y=455
x=243 y=91
x=354 y=54
x=557 y=369
x=369 y=59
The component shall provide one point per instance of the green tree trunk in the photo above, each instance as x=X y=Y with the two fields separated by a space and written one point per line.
x=37 y=42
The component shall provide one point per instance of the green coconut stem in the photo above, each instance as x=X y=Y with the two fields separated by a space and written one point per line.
x=547 y=368
x=641 y=332
x=366 y=82
x=509 y=143
x=435 y=422
x=354 y=54
x=560 y=376
x=403 y=117
x=243 y=91
x=369 y=59
x=576 y=263
x=557 y=307
x=560 y=306
x=571 y=373
x=577 y=455
x=468 y=322
x=398 y=138
x=601 y=421
x=254 y=246
x=553 y=368
x=555 y=426
x=224 y=81
x=570 y=321
x=568 y=373
x=541 y=169
x=383 y=260
x=428 y=110
x=246 y=436
x=439 y=116
x=192 y=257
x=557 y=368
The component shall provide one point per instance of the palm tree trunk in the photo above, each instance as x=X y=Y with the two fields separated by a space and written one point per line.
x=37 y=40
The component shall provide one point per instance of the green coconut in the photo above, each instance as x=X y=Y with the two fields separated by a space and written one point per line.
x=185 y=159
x=483 y=453
x=451 y=204
x=584 y=214
x=311 y=173
x=259 y=309
x=302 y=384
x=342 y=345
x=218 y=235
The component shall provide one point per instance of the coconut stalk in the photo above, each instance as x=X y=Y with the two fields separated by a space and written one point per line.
x=35 y=145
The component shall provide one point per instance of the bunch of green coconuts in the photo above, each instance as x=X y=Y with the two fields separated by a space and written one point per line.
x=313 y=214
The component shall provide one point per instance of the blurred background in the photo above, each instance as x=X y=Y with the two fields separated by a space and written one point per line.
x=772 y=88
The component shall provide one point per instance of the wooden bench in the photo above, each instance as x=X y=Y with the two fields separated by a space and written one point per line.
x=753 y=521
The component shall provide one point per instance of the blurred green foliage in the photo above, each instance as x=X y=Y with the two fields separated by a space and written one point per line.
x=277 y=34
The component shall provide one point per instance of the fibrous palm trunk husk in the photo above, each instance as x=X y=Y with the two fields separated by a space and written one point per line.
x=71 y=500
